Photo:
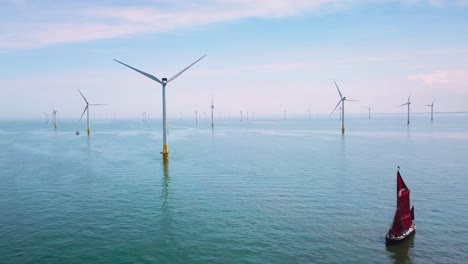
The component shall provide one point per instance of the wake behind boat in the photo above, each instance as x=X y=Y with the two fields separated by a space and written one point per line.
x=403 y=225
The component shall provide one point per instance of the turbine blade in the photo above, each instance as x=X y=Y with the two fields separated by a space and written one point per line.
x=352 y=100
x=433 y=101
x=97 y=104
x=341 y=96
x=83 y=112
x=82 y=96
x=335 y=108
x=403 y=104
x=409 y=97
x=152 y=77
x=182 y=71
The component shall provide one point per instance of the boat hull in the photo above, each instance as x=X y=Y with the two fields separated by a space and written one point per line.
x=390 y=240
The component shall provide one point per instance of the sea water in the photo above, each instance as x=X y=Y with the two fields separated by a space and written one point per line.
x=258 y=191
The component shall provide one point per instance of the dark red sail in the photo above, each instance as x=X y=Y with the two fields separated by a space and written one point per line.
x=404 y=215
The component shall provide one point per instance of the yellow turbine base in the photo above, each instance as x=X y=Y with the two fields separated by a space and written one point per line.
x=89 y=131
x=165 y=152
x=342 y=130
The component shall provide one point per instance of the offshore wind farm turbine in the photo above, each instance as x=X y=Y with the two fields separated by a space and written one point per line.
x=368 y=108
x=54 y=119
x=163 y=82
x=212 y=110
x=86 y=109
x=432 y=110
x=46 y=117
x=342 y=100
x=408 y=103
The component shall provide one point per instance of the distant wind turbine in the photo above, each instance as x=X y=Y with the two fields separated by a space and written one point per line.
x=86 y=109
x=54 y=113
x=144 y=117
x=212 y=110
x=163 y=82
x=284 y=114
x=46 y=117
x=196 y=117
x=241 y=115
x=342 y=100
x=368 y=108
x=408 y=103
x=432 y=110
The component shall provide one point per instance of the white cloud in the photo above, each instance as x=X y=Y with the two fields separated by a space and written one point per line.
x=33 y=26
x=452 y=80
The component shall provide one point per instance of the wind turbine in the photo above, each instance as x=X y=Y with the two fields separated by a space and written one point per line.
x=54 y=113
x=342 y=100
x=408 y=104
x=86 y=109
x=309 y=112
x=144 y=117
x=46 y=117
x=241 y=115
x=196 y=117
x=368 y=108
x=212 y=109
x=163 y=82
x=284 y=114
x=432 y=110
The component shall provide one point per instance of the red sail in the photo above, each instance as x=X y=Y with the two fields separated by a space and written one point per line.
x=404 y=215
x=396 y=229
x=400 y=183
x=404 y=208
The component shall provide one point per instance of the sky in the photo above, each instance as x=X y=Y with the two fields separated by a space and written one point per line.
x=263 y=56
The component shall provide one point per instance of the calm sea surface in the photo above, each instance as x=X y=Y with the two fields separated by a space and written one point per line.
x=261 y=191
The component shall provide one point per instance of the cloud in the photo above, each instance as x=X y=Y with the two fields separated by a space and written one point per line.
x=453 y=80
x=29 y=25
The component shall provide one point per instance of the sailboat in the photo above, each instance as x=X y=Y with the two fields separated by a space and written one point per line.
x=402 y=226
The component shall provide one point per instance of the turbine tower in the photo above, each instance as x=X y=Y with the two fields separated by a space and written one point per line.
x=241 y=115
x=212 y=109
x=46 y=117
x=163 y=82
x=368 y=108
x=144 y=117
x=54 y=113
x=432 y=110
x=342 y=100
x=408 y=103
x=86 y=109
x=196 y=117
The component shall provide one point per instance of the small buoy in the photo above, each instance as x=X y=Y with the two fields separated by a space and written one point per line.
x=77 y=132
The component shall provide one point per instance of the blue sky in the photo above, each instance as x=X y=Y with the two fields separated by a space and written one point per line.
x=262 y=56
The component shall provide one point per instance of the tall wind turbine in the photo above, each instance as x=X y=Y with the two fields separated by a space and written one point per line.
x=408 y=104
x=86 y=109
x=212 y=109
x=342 y=100
x=54 y=113
x=46 y=117
x=163 y=82
x=368 y=108
x=432 y=110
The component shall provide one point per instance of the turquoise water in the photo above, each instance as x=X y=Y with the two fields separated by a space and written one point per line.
x=270 y=191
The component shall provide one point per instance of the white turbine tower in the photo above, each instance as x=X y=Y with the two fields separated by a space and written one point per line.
x=212 y=110
x=54 y=113
x=342 y=100
x=408 y=103
x=368 y=108
x=163 y=82
x=86 y=109
x=46 y=117
x=432 y=110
